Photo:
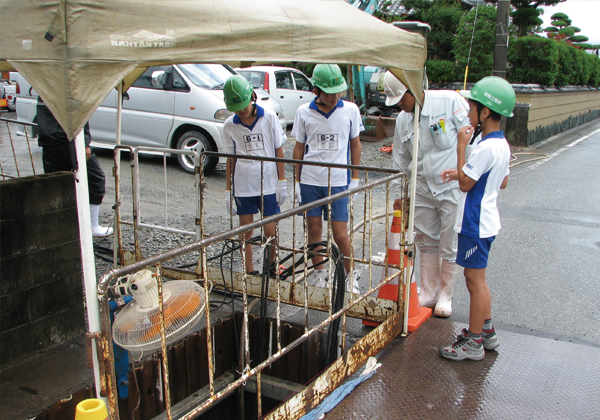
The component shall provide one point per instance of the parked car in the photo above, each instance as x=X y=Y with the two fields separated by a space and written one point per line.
x=177 y=106
x=7 y=90
x=289 y=86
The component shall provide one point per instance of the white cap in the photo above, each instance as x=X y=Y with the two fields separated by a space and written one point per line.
x=394 y=89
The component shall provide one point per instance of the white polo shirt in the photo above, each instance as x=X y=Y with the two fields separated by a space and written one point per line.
x=260 y=139
x=478 y=215
x=327 y=139
x=444 y=113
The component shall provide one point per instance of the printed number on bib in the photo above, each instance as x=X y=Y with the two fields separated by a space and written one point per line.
x=254 y=142
x=327 y=141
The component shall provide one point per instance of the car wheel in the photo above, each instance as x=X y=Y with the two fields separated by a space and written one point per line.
x=194 y=140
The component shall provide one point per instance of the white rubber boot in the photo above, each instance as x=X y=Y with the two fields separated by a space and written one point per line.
x=450 y=272
x=430 y=265
x=97 y=230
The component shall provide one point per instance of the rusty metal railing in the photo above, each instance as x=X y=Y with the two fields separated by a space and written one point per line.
x=22 y=163
x=295 y=290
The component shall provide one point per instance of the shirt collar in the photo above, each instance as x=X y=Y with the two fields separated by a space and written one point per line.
x=493 y=135
x=260 y=112
x=313 y=105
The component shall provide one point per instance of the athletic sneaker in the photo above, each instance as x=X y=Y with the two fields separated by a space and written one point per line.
x=318 y=278
x=463 y=348
x=490 y=339
x=354 y=282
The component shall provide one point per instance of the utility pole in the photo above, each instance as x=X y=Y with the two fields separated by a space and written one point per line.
x=501 y=47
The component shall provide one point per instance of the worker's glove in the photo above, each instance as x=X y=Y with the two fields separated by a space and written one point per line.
x=228 y=203
x=281 y=192
x=353 y=184
x=297 y=194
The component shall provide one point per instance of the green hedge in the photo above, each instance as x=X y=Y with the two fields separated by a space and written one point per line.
x=534 y=60
x=441 y=71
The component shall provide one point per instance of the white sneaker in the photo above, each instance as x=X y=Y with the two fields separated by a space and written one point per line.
x=354 y=282
x=318 y=278
x=101 y=231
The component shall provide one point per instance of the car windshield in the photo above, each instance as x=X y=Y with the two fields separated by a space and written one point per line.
x=208 y=76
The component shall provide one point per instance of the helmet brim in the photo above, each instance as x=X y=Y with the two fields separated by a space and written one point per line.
x=237 y=107
x=336 y=89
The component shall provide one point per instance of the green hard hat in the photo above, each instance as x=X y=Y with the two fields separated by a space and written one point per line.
x=328 y=78
x=495 y=93
x=238 y=93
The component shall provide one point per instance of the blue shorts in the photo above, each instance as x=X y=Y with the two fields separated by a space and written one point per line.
x=252 y=205
x=473 y=252
x=339 y=208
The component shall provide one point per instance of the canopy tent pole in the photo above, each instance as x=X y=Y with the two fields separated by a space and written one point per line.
x=117 y=172
x=411 y=212
x=87 y=250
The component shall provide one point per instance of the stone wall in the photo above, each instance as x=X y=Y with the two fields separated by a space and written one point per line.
x=41 y=293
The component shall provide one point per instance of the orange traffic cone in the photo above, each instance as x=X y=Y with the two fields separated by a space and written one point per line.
x=416 y=314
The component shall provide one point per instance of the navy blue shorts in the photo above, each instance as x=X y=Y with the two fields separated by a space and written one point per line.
x=473 y=252
x=252 y=205
x=339 y=208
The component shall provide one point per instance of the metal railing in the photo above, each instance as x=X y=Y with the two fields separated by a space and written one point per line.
x=293 y=290
x=21 y=162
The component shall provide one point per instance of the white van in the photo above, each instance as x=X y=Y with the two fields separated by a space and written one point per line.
x=175 y=106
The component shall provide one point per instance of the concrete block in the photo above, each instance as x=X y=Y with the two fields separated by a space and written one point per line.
x=48 y=193
x=58 y=328
x=15 y=273
x=49 y=299
x=14 y=310
x=59 y=261
x=15 y=344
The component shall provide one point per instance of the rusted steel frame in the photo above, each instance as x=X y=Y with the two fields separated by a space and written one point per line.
x=163 y=341
x=209 y=347
x=303 y=162
x=278 y=280
x=118 y=254
x=329 y=241
x=107 y=367
x=245 y=303
x=373 y=308
x=10 y=137
x=367 y=348
x=311 y=396
x=12 y=146
x=259 y=393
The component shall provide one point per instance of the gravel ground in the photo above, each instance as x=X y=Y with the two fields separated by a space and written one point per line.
x=182 y=214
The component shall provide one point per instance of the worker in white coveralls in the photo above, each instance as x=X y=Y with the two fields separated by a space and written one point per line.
x=443 y=113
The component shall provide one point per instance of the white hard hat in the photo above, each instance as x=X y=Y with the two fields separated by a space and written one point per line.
x=394 y=89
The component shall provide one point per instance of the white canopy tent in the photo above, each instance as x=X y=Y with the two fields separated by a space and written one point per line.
x=73 y=52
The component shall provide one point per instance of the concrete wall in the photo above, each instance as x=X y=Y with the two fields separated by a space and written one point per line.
x=41 y=293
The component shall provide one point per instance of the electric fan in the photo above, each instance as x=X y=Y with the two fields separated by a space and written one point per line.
x=137 y=325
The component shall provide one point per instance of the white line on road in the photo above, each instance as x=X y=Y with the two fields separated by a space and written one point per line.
x=558 y=152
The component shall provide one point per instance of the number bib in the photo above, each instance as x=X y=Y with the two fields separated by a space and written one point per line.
x=254 y=142
x=327 y=141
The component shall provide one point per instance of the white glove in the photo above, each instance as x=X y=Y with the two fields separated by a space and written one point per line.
x=281 y=192
x=298 y=195
x=228 y=203
x=353 y=184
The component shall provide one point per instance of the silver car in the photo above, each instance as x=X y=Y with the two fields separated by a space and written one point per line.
x=176 y=106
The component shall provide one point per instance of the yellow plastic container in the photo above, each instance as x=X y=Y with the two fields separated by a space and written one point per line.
x=91 y=409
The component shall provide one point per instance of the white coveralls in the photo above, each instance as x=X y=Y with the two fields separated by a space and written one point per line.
x=444 y=112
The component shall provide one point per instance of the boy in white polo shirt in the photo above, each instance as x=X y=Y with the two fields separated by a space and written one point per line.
x=478 y=221
x=252 y=131
x=327 y=130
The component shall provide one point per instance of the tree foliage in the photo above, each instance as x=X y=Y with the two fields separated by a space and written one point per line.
x=534 y=59
x=526 y=14
x=443 y=16
x=561 y=30
x=481 y=58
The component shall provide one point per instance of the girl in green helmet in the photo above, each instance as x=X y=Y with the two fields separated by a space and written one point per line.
x=478 y=221
x=252 y=131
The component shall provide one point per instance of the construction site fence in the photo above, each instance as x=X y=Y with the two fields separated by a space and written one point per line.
x=289 y=291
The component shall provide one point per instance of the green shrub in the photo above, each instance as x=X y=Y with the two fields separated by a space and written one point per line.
x=441 y=71
x=586 y=67
x=566 y=70
x=534 y=60
x=594 y=61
